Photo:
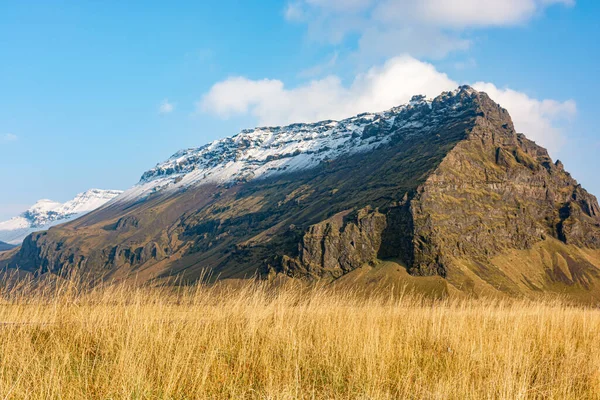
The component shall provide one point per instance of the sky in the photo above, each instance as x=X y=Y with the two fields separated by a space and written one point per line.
x=92 y=94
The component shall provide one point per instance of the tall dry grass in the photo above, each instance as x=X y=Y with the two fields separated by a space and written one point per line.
x=115 y=342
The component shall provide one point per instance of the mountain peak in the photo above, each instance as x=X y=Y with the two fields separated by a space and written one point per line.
x=467 y=89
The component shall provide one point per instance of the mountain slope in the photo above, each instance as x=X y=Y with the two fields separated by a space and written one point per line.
x=441 y=187
x=47 y=213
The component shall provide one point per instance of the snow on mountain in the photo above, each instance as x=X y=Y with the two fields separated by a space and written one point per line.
x=46 y=213
x=263 y=152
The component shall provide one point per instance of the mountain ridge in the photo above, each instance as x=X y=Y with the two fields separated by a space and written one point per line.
x=448 y=189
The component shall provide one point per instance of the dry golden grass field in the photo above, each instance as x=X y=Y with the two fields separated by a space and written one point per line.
x=251 y=341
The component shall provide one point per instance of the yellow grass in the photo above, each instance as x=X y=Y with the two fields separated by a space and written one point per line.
x=254 y=342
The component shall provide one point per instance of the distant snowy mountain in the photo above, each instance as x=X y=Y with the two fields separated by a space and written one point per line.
x=47 y=213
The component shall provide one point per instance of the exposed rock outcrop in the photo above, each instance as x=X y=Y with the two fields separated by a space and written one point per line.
x=338 y=245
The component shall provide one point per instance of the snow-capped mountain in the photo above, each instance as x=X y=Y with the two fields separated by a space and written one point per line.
x=443 y=188
x=266 y=151
x=46 y=213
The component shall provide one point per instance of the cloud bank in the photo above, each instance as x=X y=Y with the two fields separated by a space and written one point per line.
x=422 y=28
x=380 y=88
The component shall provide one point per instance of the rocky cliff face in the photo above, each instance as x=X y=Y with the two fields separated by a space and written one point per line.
x=337 y=245
x=495 y=191
x=442 y=187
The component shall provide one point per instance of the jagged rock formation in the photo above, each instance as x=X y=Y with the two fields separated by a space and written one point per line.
x=443 y=187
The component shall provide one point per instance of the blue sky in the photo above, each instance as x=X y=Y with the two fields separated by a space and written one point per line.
x=92 y=94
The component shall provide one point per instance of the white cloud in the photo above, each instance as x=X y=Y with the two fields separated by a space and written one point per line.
x=463 y=13
x=378 y=89
x=431 y=28
x=8 y=137
x=237 y=95
x=166 y=107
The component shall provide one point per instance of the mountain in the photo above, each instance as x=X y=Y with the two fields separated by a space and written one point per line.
x=6 y=246
x=442 y=195
x=47 y=213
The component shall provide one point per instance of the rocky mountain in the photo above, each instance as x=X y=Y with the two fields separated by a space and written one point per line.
x=442 y=195
x=47 y=213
